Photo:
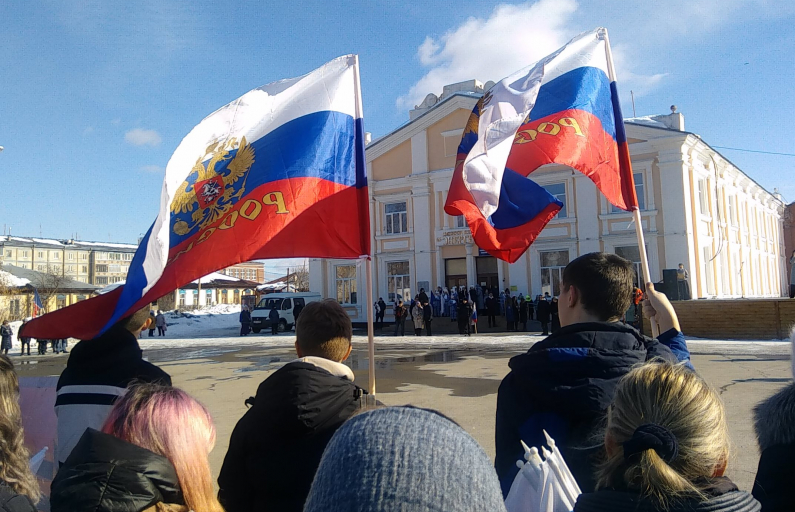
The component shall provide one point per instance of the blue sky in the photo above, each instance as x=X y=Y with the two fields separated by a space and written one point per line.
x=97 y=94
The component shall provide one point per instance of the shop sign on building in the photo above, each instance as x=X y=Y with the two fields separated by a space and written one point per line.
x=462 y=237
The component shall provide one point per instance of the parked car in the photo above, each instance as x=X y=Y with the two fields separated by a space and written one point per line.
x=285 y=303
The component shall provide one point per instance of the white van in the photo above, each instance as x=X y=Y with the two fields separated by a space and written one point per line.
x=285 y=303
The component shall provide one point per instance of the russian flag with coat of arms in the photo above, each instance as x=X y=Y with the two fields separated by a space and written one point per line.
x=277 y=173
x=564 y=110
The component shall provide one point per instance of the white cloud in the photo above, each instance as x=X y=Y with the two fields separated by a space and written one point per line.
x=140 y=137
x=512 y=37
x=152 y=168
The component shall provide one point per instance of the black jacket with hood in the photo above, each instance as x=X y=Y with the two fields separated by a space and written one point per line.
x=564 y=385
x=106 y=474
x=97 y=373
x=276 y=446
x=774 y=422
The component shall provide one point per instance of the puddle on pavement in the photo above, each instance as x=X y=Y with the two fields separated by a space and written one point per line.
x=396 y=367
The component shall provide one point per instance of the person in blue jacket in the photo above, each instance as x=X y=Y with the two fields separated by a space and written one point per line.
x=565 y=383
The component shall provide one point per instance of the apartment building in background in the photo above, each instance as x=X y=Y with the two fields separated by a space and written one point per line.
x=697 y=209
x=250 y=271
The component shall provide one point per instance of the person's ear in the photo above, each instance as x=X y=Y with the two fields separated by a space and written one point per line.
x=348 y=353
x=147 y=324
x=298 y=350
x=573 y=296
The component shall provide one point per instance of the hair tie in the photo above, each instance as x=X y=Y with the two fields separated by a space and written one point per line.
x=652 y=437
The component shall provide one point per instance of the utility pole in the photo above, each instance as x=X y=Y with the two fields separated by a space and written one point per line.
x=199 y=290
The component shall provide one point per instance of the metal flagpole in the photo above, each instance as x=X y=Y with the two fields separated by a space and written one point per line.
x=644 y=260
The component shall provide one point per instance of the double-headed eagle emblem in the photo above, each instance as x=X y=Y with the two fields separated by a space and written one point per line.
x=213 y=194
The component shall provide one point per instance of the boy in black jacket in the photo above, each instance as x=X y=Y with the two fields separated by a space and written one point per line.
x=275 y=448
x=565 y=383
x=97 y=373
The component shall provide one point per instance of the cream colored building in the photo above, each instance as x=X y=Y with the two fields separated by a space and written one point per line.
x=250 y=271
x=697 y=209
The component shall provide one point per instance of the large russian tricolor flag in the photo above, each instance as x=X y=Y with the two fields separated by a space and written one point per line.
x=563 y=109
x=277 y=173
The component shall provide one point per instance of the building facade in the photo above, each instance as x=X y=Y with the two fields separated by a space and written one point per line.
x=97 y=263
x=17 y=286
x=213 y=289
x=250 y=271
x=698 y=209
x=87 y=262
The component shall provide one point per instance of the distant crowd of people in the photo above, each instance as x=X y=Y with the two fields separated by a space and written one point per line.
x=639 y=429
x=463 y=305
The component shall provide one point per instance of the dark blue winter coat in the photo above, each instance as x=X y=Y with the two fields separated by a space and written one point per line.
x=564 y=385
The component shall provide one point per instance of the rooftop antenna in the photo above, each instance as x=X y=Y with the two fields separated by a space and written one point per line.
x=633 y=104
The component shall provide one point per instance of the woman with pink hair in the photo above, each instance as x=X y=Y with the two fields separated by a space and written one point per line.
x=151 y=456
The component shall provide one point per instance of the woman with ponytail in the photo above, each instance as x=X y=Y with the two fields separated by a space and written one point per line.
x=667 y=447
x=151 y=456
x=18 y=487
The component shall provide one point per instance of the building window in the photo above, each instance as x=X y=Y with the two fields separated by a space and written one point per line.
x=708 y=274
x=83 y=269
x=70 y=268
x=101 y=280
x=640 y=191
x=236 y=294
x=346 y=284
x=15 y=308
x=24 y=254
x=102 y=268
x=41 y=268
x=55 y=255
x=632 y=253
x=702 y=197
x=460 y=221
x=559 y=191
x=733 y=210
x=84 y=256
x=71 y=256
x=552 y=265
x=396 y=218
x=398 y=281
x=40 y=254
x=60 y=301
x=182 y=297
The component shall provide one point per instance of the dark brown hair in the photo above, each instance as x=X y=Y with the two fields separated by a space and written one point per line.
x=134 y=322
x=605 y=282
x=324 y=330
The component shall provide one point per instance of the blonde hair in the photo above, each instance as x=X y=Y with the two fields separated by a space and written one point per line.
x=14 y=463
x=169 y=422
x=677 y=399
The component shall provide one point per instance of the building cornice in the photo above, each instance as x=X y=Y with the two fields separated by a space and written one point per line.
x=408 y=130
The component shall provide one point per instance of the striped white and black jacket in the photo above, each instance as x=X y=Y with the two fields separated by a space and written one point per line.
x=97 y=373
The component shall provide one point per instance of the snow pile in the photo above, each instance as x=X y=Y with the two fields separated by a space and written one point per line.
x=8 y=279
x=215 y=276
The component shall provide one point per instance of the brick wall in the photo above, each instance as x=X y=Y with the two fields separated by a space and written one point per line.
x=740 y=319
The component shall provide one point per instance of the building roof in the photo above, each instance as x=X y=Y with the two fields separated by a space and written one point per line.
x=26 y=278
x=218 y=280
x=66 y=244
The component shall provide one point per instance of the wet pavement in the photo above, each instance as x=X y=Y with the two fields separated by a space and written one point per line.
x=459 y=382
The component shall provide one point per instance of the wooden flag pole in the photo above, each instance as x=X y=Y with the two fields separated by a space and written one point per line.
x=370 y=332
x=644 y=260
